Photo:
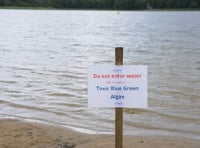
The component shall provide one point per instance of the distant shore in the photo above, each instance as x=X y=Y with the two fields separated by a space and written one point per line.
x=53 y=8
x=22 y=134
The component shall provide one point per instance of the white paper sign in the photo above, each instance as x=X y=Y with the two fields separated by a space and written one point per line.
x=117 y=86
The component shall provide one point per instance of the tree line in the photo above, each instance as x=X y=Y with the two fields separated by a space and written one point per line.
x=104 y=4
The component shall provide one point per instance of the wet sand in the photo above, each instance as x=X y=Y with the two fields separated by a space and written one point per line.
x=21 y=134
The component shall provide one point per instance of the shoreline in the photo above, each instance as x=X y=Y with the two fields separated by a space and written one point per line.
x=76 y=9
x=18 y=133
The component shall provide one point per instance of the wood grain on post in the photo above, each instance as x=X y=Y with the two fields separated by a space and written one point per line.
x=118 y=111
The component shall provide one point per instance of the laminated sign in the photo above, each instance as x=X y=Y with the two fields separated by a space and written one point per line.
x=117 y=86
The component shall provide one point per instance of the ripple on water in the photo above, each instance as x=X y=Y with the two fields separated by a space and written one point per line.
x=43 y=75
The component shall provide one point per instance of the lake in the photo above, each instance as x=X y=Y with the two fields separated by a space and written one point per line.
x=44 y=56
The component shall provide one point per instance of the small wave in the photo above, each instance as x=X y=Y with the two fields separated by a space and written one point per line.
x=70 y=105
x=163 y=115
x=62 y=95
x=21 y=68
x=21 y=106
x=8 y=82
x=156 y=128
x=70 y=76
x=12 y=91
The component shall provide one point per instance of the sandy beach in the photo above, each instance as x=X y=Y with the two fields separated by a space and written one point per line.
x=21 y=134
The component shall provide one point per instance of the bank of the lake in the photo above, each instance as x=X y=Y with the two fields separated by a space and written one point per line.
x=19 y=134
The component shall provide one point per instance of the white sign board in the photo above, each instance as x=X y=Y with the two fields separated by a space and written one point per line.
x=117 y=86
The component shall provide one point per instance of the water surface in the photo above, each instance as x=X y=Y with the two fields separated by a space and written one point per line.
x=44 y=57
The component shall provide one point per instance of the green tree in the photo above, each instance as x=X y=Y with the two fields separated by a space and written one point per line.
x=104 y=4
x=194 y=4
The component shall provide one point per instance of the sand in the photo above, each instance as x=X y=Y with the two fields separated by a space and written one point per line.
x=20 y=134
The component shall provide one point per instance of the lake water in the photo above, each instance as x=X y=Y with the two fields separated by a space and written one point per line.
x=44 y=55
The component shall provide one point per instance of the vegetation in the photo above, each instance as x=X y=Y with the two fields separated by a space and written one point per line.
x=104 y=4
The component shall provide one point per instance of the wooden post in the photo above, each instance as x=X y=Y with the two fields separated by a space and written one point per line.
x=118 y=111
